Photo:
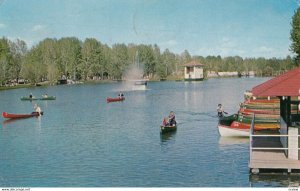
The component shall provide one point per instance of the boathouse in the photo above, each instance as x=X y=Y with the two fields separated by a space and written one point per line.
x=279 y=151
x=193 y=71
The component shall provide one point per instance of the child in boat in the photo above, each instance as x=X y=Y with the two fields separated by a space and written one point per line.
x=166 y=121
x=172 y=121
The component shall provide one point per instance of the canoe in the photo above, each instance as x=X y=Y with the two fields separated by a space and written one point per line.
x=257 y=127
x=260 y=111
x=28 y=98
x=165 y=129
x=227 y=131
x=34 y=98
x=257 y=120
x=257 y=115
x=18 y=116
x=227 y=120
x=48 y=98
x=262 y=101
x=109 y=99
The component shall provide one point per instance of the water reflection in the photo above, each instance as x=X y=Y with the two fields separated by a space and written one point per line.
x=275 y=180
x=228 y=141
x=164 y=137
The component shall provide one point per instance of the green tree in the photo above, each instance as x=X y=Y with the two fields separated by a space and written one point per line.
x=295 y=35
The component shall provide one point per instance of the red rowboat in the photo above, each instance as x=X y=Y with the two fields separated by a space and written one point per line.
x=18 y=116
x=109 y=99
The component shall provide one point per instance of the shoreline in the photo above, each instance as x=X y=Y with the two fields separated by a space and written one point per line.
x=43 y=84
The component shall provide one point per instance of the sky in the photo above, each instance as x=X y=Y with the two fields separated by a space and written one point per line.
x=246 y=28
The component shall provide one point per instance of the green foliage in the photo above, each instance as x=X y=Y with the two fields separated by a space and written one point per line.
x=295 y=35
x=51 y=59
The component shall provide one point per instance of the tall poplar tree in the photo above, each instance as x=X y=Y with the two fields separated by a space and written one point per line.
x=295 y=35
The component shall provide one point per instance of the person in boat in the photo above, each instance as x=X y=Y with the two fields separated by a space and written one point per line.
x=172 y=121
x=30 y=95
x=37 y=109
x=45 y=96
x=121 y=95
x=220 y=110
x=166 y=121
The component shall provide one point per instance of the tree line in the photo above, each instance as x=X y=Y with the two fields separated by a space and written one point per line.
x=52 y=58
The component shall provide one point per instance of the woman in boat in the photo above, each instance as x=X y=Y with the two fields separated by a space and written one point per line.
x=37 y=109
x=172 y=121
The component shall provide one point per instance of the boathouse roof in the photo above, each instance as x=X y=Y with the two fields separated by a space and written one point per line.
x=286 y=84
x=193 y=63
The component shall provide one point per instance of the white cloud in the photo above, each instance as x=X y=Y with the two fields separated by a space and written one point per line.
x=37 y=28
x=2 y=26
x=169 y=43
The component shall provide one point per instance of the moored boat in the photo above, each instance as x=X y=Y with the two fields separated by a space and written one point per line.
x=227 y=131
x=109 y=99
x=165 y=129
x=18 y=116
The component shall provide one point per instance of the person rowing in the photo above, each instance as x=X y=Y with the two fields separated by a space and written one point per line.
x=220 y=110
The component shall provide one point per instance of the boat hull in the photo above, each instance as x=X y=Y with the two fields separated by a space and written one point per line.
x=227 y=131
x=34 y=98
x=166 y=129
x=19 y=116
x=109 y=99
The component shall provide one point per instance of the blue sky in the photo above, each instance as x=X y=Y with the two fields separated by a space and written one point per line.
x=248 y=28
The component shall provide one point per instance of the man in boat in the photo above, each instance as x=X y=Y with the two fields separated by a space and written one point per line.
x=30 y=95
x=37 y=109
x=45 y=96
x=220 y=110
x=172 y=121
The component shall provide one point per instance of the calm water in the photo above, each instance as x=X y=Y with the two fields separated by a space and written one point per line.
x=82 y=141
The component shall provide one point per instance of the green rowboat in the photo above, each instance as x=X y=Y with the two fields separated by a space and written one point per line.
x=166 y=129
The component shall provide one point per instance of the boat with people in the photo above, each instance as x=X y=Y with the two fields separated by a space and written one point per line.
x=169 y=123
x=19 y=116
x=24 y=98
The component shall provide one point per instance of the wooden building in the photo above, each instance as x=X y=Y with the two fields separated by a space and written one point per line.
x=287 y=88
x=193 y=71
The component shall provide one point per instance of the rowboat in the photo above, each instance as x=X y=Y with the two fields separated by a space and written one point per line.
x=48 y=98
x=109 y=99
x=29 y=98
x=227 y=131
x=18 y=116
x=165 y=129
x=34 y=98
x=260 y=111
x=257 y=127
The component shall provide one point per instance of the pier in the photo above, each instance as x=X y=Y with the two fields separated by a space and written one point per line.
x=268 y=155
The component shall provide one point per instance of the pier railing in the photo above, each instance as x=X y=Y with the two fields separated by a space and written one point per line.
x=285 y=148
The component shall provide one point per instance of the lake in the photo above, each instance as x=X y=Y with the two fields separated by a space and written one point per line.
x=82 y=141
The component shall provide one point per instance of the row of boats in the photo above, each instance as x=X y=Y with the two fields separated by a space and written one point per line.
x=267 y=117
x=32 y=114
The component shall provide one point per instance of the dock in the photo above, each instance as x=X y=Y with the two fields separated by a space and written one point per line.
x=268 y=155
